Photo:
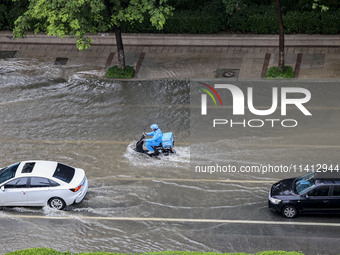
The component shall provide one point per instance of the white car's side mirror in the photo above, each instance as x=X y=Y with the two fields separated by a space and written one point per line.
x=3 y=188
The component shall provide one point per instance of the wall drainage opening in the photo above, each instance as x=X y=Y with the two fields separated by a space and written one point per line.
x=60 y=61
x=7 y=54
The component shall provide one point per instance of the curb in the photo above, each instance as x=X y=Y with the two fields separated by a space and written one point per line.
x=183 y=40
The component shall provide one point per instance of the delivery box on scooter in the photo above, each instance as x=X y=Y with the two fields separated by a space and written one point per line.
x=167 y=140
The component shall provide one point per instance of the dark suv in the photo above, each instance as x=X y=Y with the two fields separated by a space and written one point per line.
x=311 y=193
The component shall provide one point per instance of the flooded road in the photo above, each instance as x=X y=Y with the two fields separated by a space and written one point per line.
x=47 y=113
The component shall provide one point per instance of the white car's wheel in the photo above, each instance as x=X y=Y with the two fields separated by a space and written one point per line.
x=57 y=203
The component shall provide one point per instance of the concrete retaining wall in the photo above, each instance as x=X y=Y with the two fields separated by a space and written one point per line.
x=222 y=40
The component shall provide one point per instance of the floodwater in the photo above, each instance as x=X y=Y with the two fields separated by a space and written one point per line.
x=52 y=113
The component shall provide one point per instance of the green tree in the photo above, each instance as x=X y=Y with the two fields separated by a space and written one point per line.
x=317 y=4
x=231 y=6
x=77 y=18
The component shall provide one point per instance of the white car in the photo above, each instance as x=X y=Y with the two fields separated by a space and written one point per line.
x=40 y=183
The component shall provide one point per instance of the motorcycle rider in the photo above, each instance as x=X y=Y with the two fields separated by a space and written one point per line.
x=155 y=140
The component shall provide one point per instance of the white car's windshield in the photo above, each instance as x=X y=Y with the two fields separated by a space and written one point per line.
x=305 y=183
x=8 y=172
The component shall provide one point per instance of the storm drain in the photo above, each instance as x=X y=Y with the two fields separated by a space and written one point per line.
x=60 y=61
x=227 y=73
x=7 y=54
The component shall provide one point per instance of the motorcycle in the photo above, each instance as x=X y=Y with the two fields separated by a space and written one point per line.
x=165 y=148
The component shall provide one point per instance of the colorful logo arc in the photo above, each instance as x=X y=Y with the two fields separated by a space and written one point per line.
x=209 y=93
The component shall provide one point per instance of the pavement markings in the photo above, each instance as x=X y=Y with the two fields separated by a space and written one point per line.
x=315 y=146
x=39 y=141
x=314 y=108
x=191 y=106
x=183 y=180
x=108 y=142
x=64 y=141
x=180 y=220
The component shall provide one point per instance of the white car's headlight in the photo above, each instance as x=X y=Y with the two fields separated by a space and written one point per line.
x=274 y=200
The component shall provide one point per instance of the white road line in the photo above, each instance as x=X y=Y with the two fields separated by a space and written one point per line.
x=183 y=220
x=316 y=146
x=316 y=108
x=108 y=142
x=183 y=180
x=70 y=141
x=190 y=106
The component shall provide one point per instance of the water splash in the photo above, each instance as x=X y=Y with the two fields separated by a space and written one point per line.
x=179 y=160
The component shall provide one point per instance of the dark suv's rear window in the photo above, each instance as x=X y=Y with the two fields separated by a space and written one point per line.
x=64 y=173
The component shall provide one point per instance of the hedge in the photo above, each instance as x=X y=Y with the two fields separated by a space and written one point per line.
x=330 y=22
x=206 y=17
x=193 y=22
x=264 y=21
x=9 y=11
x=255 y=20
x=38 y=251
x=47 y=251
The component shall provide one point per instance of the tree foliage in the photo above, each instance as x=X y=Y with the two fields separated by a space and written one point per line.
x=77 y=18
x=231 y=6
x=9 y=12
x=62 y=18
x=317 y=5
x=190 y=16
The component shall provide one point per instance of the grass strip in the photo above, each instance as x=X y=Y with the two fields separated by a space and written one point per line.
x=48 y=251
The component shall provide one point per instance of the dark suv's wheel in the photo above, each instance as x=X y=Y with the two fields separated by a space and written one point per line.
x=289 y=211
x=57 y=203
